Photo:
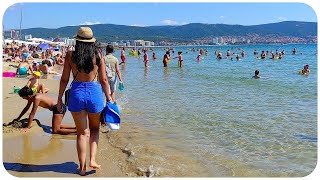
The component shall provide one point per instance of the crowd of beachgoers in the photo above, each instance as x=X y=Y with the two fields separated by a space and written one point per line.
x=32 y=58
x=34 y=61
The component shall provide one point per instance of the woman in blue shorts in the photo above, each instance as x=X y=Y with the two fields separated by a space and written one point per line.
x=86 y=99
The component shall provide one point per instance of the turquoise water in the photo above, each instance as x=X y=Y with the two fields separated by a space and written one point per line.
x=214 y=110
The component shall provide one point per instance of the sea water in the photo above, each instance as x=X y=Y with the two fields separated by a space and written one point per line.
x=215 y=111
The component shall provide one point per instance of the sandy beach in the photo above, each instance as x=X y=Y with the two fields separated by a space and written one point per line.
x=128 y=152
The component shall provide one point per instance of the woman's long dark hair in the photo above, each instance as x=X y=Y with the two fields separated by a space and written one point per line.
x=84 y=54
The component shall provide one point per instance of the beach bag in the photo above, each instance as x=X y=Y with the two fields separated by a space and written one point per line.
x=111 y=116
x=120 y=86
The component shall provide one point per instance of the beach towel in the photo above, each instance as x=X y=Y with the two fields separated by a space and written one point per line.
x=112 y=116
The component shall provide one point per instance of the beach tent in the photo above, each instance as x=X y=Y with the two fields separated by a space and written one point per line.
x=44 y=46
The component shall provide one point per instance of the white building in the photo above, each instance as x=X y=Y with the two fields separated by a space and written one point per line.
x=215 y=40
x=233 y=40
x=114 y=43
x=122 y=44
x=147 y=43
x=139 y=42
x=221 y=41
x=29 y=36
x=68 y=42
x=11 y=34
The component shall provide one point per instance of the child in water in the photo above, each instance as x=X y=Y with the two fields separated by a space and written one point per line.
x=198 y=57
x=34 y=84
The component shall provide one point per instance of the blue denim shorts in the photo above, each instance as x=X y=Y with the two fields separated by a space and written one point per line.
x=86 y=96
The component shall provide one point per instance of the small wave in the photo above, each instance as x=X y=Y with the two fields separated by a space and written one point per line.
x=307 y=138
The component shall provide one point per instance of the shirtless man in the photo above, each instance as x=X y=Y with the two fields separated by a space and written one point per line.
x=45 y=69
x=46 y=102
x=123 y=56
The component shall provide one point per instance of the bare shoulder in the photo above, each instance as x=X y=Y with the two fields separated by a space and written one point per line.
x=44 y=98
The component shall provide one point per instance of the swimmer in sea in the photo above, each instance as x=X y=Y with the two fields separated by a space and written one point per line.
x=294 y=51
x=305 y=70
x=154 y=57
x=256 y=74
x=238 y=58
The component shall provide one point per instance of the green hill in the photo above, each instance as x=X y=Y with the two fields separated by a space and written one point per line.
x=188 y=32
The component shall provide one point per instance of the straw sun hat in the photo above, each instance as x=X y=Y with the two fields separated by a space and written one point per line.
x=85 y=34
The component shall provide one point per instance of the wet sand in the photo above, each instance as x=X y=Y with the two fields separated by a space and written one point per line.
x=128 y=152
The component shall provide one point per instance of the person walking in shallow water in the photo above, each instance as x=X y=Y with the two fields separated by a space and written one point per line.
x=166 y=59
x=113 y=70
x=86 y=99
x=123 y=56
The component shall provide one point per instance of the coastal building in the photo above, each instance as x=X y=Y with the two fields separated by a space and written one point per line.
x=147 y=43
x=29 y=36
x=222 y=41
x=132 y=43
x=122 y=44
x=215 y=40
x=233 y=40
x=114 y=43
x=11 y=34
x=139 y=42
x=68 y=41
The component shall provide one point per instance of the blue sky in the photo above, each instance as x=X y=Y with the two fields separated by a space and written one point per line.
x=54 y=15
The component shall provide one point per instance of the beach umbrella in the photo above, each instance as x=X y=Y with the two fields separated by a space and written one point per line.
x=44 y=46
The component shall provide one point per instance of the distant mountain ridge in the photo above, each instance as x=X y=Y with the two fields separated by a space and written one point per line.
x=188 y=32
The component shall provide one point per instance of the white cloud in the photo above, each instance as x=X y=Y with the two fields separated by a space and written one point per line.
x=138 y=25
x=282 y=18
x=221 y=17
x=88 y=23
x=172 y=22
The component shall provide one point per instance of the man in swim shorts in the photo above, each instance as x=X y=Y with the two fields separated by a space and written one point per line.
x=123 y=56
x=46 y=102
